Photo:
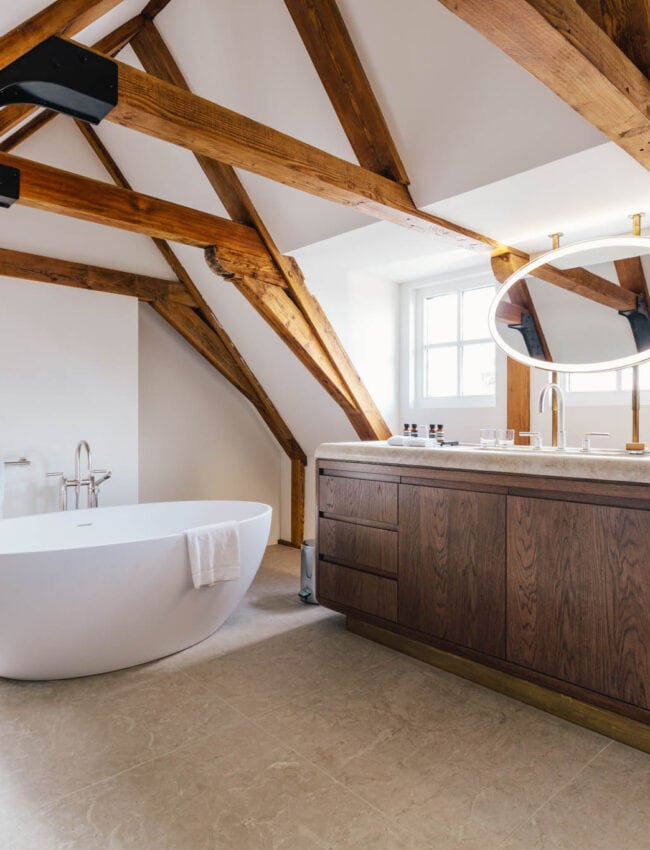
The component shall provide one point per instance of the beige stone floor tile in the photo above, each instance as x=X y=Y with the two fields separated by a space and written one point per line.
x=276 y=670
x=434 y=752
x=57 y=737
x=607 y=807
x=234 y=790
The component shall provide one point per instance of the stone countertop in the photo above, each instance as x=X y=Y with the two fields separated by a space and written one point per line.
x=571 y=463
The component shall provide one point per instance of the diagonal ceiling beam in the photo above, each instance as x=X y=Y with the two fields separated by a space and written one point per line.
x=246 y=381
x=632 y=277
x=15 y=113
x=25 y=266
x=167 y=112
x=64 y=17
x=567 y=51
x=55 y=190
x=337 y=63
x=157 y=59
x=627 y=23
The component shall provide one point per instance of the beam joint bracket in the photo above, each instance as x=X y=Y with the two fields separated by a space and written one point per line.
x=62 y=76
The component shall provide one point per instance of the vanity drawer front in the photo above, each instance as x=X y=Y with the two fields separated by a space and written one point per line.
x=358 y=590
x=358 y=498
x=374 y=549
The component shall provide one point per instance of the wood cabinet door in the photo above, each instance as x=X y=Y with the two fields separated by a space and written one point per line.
x=579 y=594
x=452 y=565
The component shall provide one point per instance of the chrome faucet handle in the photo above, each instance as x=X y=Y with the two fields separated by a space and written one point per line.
x=586 y=440
x=54 y=475
x=537 y=438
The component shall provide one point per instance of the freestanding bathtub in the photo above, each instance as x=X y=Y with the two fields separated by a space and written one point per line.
x=90 y=591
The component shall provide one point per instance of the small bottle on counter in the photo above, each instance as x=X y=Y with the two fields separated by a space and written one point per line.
x=440 y=434
x=414 y=430
x=407 y=430
x=432 y=432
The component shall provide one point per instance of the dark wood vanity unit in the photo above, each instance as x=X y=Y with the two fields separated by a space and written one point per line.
x=536 y=586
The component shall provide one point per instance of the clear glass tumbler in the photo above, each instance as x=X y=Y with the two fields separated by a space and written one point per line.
x=505 y=437
x=488 y=437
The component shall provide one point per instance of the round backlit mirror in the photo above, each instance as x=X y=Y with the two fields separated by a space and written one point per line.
x=580 y=308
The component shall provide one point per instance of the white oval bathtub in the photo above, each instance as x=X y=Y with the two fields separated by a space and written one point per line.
x=90 y=591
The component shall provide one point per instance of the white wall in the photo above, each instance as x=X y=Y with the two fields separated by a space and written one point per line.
x=199 y=437
x=69 y=372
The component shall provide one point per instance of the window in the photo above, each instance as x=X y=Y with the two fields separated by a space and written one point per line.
x=454 y=353
x=590 y=386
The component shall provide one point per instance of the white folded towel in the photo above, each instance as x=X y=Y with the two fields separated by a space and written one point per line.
x=214 y=553
x=412 y=442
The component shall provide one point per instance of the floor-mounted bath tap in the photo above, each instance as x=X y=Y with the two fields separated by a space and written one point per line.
x=88 y=479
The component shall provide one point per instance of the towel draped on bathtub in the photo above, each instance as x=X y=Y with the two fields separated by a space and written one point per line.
x=214 y=553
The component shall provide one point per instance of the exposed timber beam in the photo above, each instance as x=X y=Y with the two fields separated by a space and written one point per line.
x=520 y=295
x=297 y=500
x=518 y=399
x=577 y=280
x=14 y=114
x=199 y=334
x=35 y=267
x=167 y=112
x=627 y=23
x=153 y=8
x=325 y=351
x=632 y=277
x=509 y=314
x=337 y=63
x=64 y=17
x=212 y=340
x=567 y=51
x=55 y=190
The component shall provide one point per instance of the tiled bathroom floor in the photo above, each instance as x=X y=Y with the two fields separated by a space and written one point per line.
x=285 y=731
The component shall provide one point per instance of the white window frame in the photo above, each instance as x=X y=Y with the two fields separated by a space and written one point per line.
x=414 y=295
x=601 y=398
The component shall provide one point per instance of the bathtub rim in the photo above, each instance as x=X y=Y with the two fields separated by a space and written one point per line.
x=265 y=509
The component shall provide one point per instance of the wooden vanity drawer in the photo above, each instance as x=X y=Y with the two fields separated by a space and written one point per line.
x=358 y=590
x=358 y=498
x=374 y=549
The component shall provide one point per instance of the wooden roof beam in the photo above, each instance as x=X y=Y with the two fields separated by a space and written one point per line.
x=55 y=190
x=25 y=266
x=167 y=112
x=567 y=51
x=627 y=23
x=15 y=113
x=632 y=277
x=332 y=52
x=340 y=374
x=577 y=280
x=64 y=17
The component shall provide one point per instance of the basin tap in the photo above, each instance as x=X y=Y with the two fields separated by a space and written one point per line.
x=561 y=427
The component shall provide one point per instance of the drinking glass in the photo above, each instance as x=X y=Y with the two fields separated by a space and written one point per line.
x=506 y=437
x=488 y=437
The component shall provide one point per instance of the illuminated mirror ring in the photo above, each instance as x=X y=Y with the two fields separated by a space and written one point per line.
x=627 y=241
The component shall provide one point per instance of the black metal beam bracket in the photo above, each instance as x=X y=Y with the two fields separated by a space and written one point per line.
x=528 y=330
x=9 y=185
x=62 y=76
x=639 y=324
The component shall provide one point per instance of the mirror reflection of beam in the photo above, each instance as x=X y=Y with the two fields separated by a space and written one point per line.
x=632 y=278
x=577 y=280
x=524 y=316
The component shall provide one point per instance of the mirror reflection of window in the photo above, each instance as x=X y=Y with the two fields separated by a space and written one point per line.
x=457 y=349
x=609 y=382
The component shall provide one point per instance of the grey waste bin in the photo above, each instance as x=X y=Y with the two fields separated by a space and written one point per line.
x=308 y=572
